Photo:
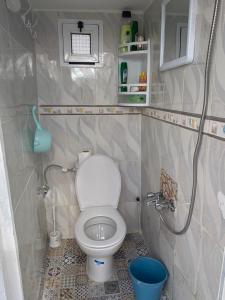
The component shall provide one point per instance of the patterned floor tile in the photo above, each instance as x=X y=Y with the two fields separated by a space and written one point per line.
x=123 y=274
x=111 y=297
x=120 y=263
x=128 y=297
x=54 y=271
x=68 y=259
x=54 y=261
x=52 y=283
x=55 y=252
x=81 y=279
x=142 y=251
x=126 y=287
x=111 y=287
x=51 y=294
x=68 y=281
x=96 y=290
x=66 y=277
x=131 y=254
x=81 y=292
x=120 y=254
x=66 y=294
x=81 y=259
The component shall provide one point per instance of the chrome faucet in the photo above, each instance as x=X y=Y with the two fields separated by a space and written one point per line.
x=43 y=189
x=151 y=198
x=159 y=201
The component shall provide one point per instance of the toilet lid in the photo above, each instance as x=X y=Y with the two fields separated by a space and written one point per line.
x=98 y=182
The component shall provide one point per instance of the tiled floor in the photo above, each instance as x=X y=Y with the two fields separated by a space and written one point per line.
x=66 y=278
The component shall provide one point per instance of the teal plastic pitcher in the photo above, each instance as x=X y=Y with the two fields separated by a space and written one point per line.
x=42 y=137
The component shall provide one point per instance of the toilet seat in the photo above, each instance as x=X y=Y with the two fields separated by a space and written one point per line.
x=93 y=212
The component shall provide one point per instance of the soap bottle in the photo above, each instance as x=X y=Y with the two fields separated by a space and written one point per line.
x=123 y=75
x=134 y=34
x=142 y=79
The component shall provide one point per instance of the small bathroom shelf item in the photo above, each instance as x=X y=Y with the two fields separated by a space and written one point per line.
x=137 y=56
x=42 y=137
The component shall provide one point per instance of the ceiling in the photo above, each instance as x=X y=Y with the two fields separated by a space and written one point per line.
x=92 y=5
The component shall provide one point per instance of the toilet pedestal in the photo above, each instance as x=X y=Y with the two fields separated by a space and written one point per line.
x=99 y=269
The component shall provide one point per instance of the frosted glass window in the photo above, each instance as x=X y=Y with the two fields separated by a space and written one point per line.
x=80 y=44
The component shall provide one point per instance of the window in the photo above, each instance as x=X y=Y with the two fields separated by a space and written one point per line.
x=80 y=46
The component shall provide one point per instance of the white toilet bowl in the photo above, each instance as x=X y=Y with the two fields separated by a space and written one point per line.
x=100 y=229
x=100 y=232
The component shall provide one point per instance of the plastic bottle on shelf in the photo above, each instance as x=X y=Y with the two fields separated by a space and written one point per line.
x=142 y=79
x=134 y=34
x=125 y=34
x=123 y=75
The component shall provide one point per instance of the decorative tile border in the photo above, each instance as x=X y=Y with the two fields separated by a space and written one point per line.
x=213 y=126
x=176 y=118
x=87 y=110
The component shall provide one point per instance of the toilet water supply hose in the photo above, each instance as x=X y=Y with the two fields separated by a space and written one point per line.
x=210 y=49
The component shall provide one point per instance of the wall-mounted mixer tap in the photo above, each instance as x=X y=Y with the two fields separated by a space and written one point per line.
x=151 y=198
x=159 y=201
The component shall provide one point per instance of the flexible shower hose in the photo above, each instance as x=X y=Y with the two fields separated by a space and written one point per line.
x=201 y=125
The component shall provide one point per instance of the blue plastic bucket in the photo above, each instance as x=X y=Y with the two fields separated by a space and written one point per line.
x=149 y=276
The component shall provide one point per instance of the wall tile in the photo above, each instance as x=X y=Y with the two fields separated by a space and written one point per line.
x=166 y=255
x=210 y=269
x=213 y=183
x=129 y=211
x=180 y=289
x=174 y=84
x=131 y=178
x=217 y=85
x=188 y=245
x=18 y=93
x=193 y=90
x=151 y=229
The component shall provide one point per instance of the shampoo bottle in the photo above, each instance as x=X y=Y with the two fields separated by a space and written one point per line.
x=123 y=75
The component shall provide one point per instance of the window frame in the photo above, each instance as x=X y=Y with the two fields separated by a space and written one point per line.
x=65 y=29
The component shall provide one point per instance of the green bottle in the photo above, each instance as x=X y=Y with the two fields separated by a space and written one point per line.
x=134 y=32
x=123 y=75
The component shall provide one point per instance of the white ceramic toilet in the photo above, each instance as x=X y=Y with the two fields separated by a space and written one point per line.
x=100 y=229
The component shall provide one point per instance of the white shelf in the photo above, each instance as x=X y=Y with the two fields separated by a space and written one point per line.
x=132 y=93
x=132 y=84
x=134 y=53
x=133 y=44
x=137 y=61
x=131 y=104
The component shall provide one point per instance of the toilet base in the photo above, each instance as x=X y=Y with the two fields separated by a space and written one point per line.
x=99 y=269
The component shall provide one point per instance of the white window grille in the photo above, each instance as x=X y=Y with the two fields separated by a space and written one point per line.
x=80 y=44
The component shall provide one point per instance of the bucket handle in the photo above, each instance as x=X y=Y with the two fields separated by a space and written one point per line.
x=38 y=125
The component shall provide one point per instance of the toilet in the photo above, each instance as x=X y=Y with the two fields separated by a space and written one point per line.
x=100 y=229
